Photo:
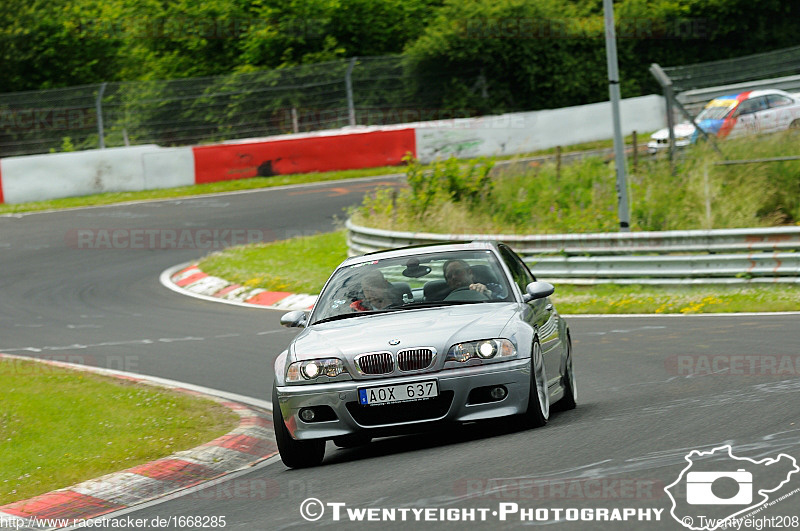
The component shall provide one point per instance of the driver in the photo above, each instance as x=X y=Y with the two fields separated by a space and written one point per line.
x=458 y=274
x=378 y=293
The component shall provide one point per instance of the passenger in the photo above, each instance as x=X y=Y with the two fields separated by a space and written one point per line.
x=378 y=293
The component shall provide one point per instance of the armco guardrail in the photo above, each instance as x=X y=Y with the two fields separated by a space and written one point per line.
x=715 y=256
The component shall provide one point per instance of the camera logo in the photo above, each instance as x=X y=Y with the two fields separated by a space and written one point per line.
x=716 y=487
x=699 y=488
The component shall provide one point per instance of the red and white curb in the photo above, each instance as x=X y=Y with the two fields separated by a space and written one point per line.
x=190 y=280
x=250 y=443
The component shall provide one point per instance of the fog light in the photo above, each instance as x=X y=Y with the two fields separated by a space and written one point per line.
x=498 y=393
x=307 y=415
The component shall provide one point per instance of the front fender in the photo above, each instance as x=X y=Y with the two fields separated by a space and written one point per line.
x=280 y=368
x=522 y=334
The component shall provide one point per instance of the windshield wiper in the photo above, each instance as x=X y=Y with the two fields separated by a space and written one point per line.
x=435 y=304
x=355 y=314
x=409 y=306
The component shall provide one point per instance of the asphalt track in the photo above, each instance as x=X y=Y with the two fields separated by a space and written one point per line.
x=651 y=389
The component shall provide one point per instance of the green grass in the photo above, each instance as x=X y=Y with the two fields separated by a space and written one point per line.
x=298 y=265
x=304 y=264
x=59 y=427
x=618 y=299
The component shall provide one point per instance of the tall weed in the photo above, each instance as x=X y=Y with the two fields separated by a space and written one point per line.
x=453 y=196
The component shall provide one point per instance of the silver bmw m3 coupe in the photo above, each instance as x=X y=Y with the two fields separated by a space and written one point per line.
x=408 y=339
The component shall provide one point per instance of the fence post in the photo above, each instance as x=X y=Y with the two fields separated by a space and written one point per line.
x=635 y=153
x=295 y=124
x=348 y=83
x=99 y=110
x=666 y=83
x=558 y=162
x=623 y=207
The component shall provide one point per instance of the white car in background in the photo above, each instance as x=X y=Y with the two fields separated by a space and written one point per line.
x=750 y=112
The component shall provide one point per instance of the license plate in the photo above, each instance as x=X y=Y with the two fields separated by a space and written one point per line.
x=389 y=394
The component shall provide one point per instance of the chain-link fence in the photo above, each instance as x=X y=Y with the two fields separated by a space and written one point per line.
x=357 y=91
x=778 y=63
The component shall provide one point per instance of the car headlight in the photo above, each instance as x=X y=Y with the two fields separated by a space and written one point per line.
x=485 y=349
x=300 y=371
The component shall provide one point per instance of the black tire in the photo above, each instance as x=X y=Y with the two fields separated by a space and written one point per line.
x=570 y=398
x=352 y=441
x=795 y=125
x=294 y=454
x=538 y=399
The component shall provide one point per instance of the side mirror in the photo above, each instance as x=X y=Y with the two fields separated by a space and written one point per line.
x=294 y=319
x=538 y=290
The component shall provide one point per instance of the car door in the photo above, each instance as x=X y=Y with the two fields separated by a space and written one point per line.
x=767 y=117
x=542 y=316
x=748 y=115
x=780 y=107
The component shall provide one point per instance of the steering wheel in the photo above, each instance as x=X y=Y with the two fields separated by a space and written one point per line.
x=498 y=291
x=466 y=295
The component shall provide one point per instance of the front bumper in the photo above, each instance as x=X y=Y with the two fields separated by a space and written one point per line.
x=655 y=146
x=452 y=405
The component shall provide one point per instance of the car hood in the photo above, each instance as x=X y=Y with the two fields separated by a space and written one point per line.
x=681 y=131
x=429 y=327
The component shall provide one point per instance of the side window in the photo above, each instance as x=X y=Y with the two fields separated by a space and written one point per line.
x=753 y=105
x=746 y=107
x=522 y=277
x=777 y=100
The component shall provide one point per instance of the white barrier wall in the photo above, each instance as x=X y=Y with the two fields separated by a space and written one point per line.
x=168 y=168
x=124 y=169
x=515 y=133
x=42 y=177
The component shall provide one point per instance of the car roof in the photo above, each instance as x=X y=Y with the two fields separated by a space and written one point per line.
x=766 y=92
x=422 y=249
x=748 y=94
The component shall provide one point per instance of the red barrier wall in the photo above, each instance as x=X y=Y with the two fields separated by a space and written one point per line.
x=225 y=162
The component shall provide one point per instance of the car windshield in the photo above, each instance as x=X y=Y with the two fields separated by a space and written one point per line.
x=716 y=110
x=413 y=281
